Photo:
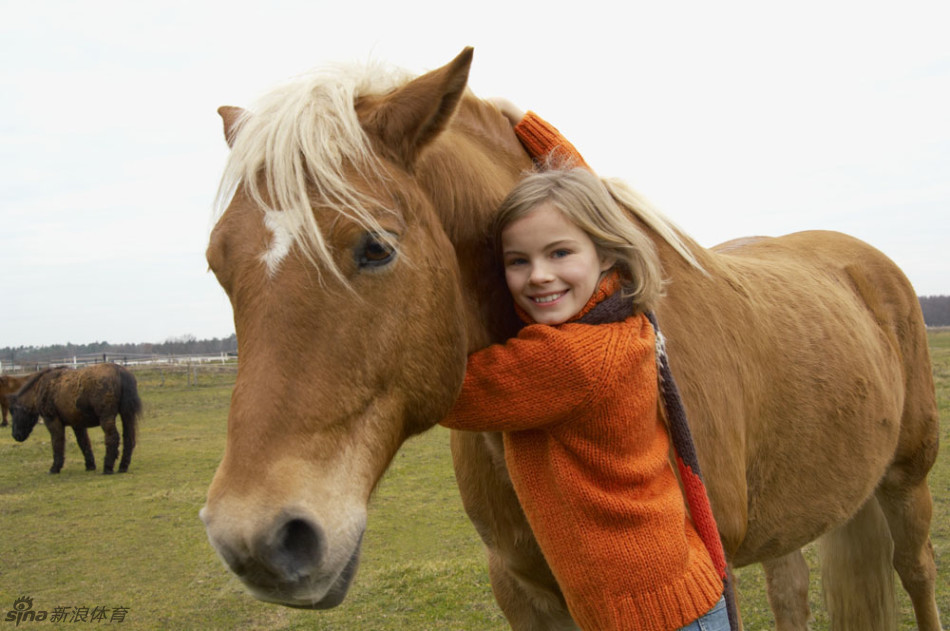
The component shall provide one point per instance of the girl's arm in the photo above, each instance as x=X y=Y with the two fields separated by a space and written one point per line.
x=539 y=378
x=539 y=137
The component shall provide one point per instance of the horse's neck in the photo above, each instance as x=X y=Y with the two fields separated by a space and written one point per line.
x=467 y=174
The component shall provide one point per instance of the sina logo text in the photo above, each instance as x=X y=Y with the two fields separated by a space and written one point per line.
x=23 y=611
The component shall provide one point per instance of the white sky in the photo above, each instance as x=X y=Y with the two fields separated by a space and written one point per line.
x=735 y=118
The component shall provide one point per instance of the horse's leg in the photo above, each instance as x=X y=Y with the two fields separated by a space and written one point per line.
x=527 y=605
x=908 y=510
x=786 y=585
x=128 y=441
x=58 y=439
x=82 y=439
x=112 y=444
x=521 y=581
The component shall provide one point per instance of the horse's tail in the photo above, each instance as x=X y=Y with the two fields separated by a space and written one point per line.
x=857 y=574
x=130 y=407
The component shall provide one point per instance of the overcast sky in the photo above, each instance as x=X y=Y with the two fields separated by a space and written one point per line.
x=734 y=118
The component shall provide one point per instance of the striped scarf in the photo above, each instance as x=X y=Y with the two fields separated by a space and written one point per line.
x=616 y=308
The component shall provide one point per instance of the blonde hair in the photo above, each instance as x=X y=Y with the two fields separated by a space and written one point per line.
x=586 y=202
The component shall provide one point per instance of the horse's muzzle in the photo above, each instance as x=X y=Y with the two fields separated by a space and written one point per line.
x=290 y=563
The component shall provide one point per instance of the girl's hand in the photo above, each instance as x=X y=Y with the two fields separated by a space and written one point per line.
x=512 y=112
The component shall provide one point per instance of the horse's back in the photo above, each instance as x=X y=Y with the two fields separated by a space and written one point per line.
x=90 y=394
x=837 y=282
x=819 y=339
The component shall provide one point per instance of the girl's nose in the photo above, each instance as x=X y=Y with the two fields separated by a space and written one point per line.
x=540 y=274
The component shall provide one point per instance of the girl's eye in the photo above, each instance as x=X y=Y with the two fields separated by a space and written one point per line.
x=560 y=253
x=515 y=261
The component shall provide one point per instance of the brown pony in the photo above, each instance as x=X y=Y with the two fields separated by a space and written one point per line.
x=80 y=399
x=8 y=385
x=354 y=249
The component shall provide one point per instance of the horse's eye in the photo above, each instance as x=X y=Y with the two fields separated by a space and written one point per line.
x=375 y=250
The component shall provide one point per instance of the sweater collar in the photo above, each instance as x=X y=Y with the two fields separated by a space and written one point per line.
x=608 y=285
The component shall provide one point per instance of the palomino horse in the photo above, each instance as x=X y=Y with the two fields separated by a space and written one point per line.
x=355 y=254
x=80 y=399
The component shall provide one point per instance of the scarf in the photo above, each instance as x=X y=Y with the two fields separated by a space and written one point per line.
x=615 y=308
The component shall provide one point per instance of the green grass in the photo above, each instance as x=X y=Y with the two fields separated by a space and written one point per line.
x=81 y=539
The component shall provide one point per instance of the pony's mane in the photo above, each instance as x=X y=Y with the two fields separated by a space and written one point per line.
x=304 y=138
x=36 y=377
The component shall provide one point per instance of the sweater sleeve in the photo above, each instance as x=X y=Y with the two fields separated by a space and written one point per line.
x=540 y=138
x=538 y=378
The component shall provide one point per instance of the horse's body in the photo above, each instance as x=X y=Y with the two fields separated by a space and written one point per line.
x=9 y=384
x=81 y=399
x=358 y=285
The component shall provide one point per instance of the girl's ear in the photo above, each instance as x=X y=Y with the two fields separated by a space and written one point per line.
x=606 y=262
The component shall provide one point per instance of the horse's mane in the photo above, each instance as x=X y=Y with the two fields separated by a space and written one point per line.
x=37 y=376
x=634 y=202
x=304 y=137
x=301 y=138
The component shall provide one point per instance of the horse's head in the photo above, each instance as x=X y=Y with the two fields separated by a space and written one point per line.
x=24 y=406
x=353 y=320
x=23 y=419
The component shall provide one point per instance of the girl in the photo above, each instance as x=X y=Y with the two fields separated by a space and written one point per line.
x=586 y=449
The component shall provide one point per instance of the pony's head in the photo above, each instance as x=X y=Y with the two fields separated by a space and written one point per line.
x=23 y=419
x=24 y=405
x=339 y=255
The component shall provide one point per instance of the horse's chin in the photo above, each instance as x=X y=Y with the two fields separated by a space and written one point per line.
x=304 y=595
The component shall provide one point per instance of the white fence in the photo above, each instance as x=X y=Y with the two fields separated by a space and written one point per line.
x=125 y=359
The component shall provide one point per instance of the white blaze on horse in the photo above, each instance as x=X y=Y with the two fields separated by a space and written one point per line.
x=354 y=249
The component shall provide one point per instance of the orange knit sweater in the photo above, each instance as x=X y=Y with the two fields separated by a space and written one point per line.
x=589 y=459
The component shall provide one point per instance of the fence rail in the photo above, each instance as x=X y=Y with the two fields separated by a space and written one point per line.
x=124 y=359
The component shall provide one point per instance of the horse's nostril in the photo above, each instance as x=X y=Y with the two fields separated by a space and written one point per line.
x=297 y=549
x=300 y=538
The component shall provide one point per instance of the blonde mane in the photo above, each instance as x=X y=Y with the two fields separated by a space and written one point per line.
x=304 y=138
x=633 y=201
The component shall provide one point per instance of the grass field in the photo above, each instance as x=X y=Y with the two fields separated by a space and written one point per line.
x=132 y=545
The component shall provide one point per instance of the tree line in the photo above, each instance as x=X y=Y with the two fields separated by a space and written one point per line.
x=184 y=345
x=936 y=310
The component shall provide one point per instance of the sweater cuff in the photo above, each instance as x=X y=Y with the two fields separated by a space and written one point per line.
x=541 y=139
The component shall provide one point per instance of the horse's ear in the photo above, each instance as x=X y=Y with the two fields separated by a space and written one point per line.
x=231 y=116
x=408 y=119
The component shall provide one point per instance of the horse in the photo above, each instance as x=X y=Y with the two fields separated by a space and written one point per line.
x=353 y=243
x=9 y=384
x=80 y=399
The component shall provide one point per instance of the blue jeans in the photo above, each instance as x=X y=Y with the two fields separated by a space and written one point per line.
x=716 y=620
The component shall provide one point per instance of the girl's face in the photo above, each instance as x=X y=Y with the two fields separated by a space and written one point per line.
x=552 y=266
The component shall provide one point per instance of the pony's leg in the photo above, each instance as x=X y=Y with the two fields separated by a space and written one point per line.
x=58 y=439
x=908 y=510
x=786 y=585
x=82 y=439
x=128 y=443
x=112 y=444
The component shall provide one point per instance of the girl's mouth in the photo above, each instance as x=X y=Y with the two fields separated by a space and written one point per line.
x=542 y=300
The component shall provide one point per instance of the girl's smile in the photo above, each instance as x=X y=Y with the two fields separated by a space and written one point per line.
x=552 y=267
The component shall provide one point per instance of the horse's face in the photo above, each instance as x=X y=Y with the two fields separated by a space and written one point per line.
x=23 y=417
x=335 y=372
